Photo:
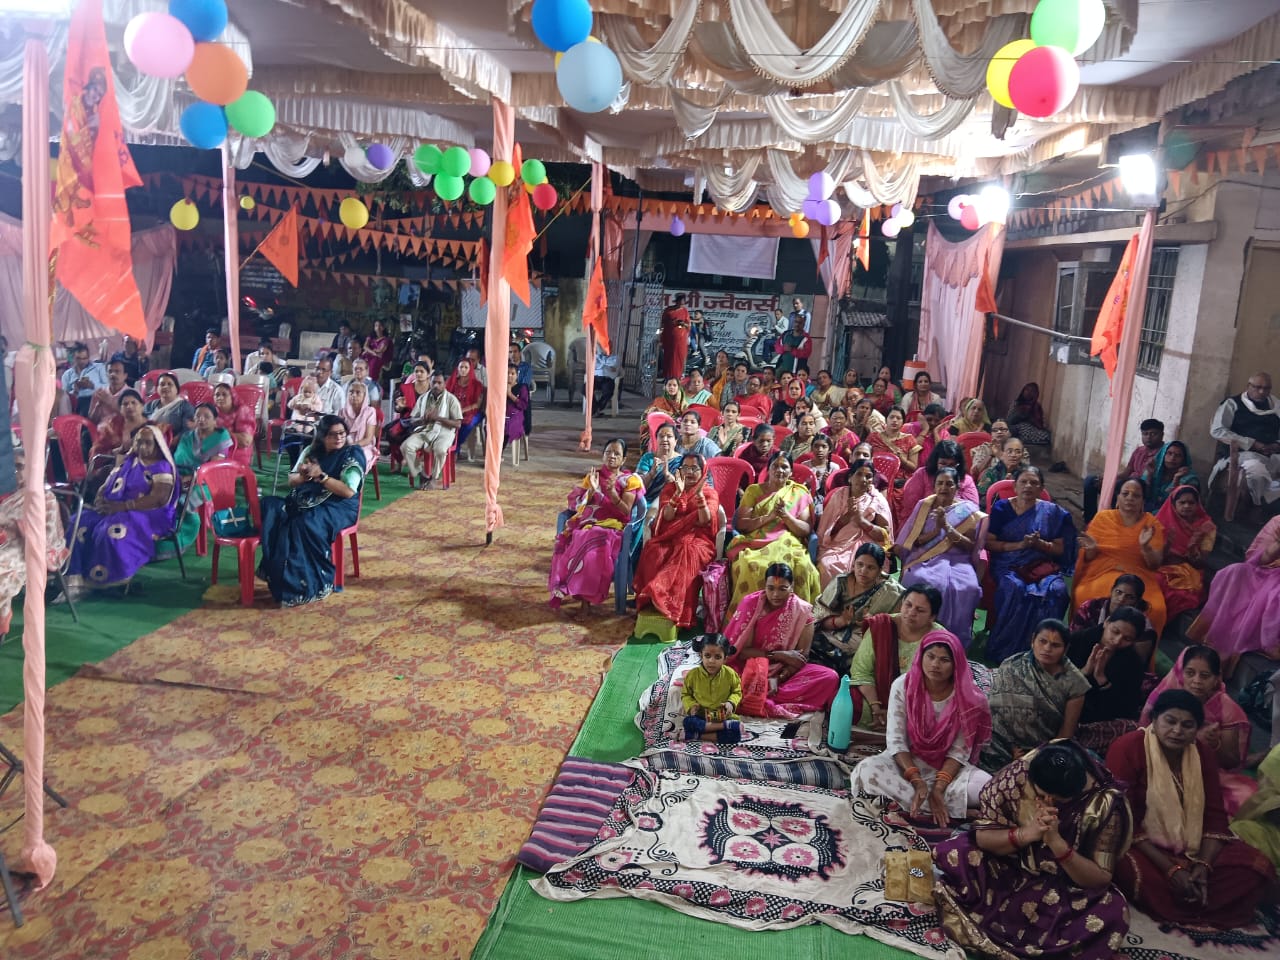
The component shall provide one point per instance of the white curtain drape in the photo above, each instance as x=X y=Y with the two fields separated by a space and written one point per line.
x=732 y=189
x=774 y=54
x=655 y=64
x=694 y=119
x=961 y=75
x=814 y=128
x=928 y=126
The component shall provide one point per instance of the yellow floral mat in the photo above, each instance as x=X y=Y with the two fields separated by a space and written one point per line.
x=351 y=779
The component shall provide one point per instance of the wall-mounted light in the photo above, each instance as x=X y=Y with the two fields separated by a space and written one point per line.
x=1140 y=179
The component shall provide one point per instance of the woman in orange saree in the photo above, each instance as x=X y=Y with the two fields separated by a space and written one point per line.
x=682 y=544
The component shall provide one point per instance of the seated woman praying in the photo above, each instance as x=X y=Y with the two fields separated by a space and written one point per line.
x=658 y=466
x=170 y=408
x=773 y=523
x=1127 y=591
x=1033 y=878
x=1226 y=730
x=854 y=514
x=135 y=506
x=1124 y=540
x=938 y=722
x=889 y=644
x=776 y=626
x=1242 y=613
x=681 y=544
x=896 y=441
x=587 y=549
x=760 y=451
x=1184 y=866
x=1169 y=470
x=1189 y=536
x=729 y=434
x=846 y=602
x=240 y=420
x=1026 y=417
x=298 y=530
x=946 y=453
x=1032 y=548
x=1036 y=696
x=361 y=419
x=983 y=455
x=940 y=543
x=711 y=693
x=1106 y=657
x=1009 y=459
x=206 y=443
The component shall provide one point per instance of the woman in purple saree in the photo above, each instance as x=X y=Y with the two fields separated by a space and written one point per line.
x=587 y=549
x=1032 y=543
x=940 y=545
x=134 y=507
x=1033 y=878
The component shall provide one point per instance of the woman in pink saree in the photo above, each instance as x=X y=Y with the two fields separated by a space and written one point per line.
x=853 y=514
x=1243 y=612
x=776 y=626
x=587 y=549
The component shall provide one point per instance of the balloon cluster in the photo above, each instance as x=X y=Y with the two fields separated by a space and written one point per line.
x=1038 y=77
x=900 y=218
x=818 y=205
x=990 y=205
x=588 y=74
x=450 y=166
x=183 y=42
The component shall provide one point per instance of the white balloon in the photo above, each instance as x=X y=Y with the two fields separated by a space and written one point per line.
x=905 y=219
x=890 y=228
x=956 y=203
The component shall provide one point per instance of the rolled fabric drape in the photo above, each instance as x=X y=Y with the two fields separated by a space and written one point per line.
x=655 y=64
x=694 y=119
x=355 y=162
x=816 y=128
x=733 y=190
x=929 y=126
x=776 y=55
x=497 y=328
x=961 y=75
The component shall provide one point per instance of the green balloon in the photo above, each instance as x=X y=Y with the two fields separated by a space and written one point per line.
x=427 y=158
x=533 y=172
x=253 y=114
x=456 y=162
x=448 y=187
x=1179 y=150
x=482 y=191
x=1073 y=25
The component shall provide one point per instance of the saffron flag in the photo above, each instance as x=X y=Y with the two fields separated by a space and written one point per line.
x=1110 y=326
x=863 y=251
x=595 y=313
x=482 y=269
x=90 y=236
x=281 y=246
x=519 y=239
x=986 y=300
x=823 y=251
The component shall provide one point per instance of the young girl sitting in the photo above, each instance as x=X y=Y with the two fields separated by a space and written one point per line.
x=305 y=407
x=711 y=693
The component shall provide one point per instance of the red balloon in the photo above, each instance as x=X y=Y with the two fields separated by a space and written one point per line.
x=544 y=196
x=969 y=217
x=1043 y=81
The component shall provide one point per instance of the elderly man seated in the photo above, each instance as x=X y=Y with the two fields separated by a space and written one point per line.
x=1252 y=422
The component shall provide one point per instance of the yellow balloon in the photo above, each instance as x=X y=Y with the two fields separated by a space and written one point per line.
x=1001 y=66
x=502 y=173
x=247 y=203
x=353 y=213
x=800 y=230
x=184 y=215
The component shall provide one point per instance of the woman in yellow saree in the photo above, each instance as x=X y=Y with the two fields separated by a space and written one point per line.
x=773 y=523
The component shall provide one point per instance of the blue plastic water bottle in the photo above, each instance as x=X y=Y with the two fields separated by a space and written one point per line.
x=840 y=719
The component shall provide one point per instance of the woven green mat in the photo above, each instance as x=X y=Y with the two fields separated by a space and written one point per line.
x=526 y=927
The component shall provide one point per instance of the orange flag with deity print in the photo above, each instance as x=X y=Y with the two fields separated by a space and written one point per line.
x=595 y=314
x=90 y=235
x=519 y=239
x=281 y=246
x=1110 y=326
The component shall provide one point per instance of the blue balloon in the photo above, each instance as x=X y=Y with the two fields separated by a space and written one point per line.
x=561 y=24
x=589 y=77
x=206 y=19
x=204 y=125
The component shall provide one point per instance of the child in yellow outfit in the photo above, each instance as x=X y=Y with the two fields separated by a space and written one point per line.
x=712 y=692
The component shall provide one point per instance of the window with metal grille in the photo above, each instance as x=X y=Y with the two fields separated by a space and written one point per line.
x=1155 y=318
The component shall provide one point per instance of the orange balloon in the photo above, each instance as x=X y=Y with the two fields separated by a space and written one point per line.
x=217 y=74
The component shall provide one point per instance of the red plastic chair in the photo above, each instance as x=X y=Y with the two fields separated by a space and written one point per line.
x=970 y=442
x=339 y=559
x=655 y=419
x=448 y=474
x=888 y=466
x=148 y=381
x=67 y=430
x=780 y=433
x=708 y=417
x=373 y=471
x=799 y=473
x=728 y=474
x=197 y=392
x=220 y=478
x=1003 y=489
x=249 y=395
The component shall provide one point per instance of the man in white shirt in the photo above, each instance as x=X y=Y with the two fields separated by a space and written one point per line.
x=106 y=402
x=329 y=390
x=1251 y=420
x=264 y=354
x=435 y=419
x=360 y=374
x=82 y=379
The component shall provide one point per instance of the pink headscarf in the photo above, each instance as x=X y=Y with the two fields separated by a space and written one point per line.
x=931 y=735
x=1219 y=708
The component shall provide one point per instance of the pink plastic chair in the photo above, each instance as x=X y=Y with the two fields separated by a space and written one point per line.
x=728 y=474
x=655 y=419
x=220 y=478
x=67 y=430
x=197 y=392
x=708 y=417
x=250 y=395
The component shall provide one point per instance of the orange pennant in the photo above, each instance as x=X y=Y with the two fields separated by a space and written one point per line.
x=595 y=313
x=1109 y=327
x=281 y=247
x=518 y=241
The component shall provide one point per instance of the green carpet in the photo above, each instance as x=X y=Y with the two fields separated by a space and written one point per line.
x=526 y=927
x=109 y=622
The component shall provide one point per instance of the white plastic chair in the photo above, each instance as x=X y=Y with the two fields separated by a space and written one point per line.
x=577 y=364
x=541 y=356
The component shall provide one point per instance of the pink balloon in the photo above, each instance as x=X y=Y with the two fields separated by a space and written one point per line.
x=545 y=196
x=969 y=218
x=956 y=205
x=159 y=45
x=1043 y=81
x=480 y=162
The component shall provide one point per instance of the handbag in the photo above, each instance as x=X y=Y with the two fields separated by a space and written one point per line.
x=233 y=522
x=1037 y=571
x=908 y=876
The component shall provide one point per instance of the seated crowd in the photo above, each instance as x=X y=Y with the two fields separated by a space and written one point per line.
x=818 y=532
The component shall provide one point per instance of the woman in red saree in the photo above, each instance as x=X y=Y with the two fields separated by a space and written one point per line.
x=682 y=544
x=466 y=386
x=1185 y=866
x=1189 y=536
x=587 y=549
x=377 y=350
